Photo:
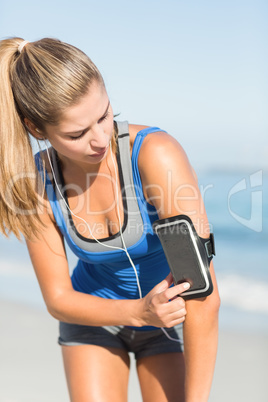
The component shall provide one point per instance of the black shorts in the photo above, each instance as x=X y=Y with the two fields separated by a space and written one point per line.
x=138 y=341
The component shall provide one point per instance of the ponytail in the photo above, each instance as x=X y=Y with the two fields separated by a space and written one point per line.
x=38 y=81
x=18 y=196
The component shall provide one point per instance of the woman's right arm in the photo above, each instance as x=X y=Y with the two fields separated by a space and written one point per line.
x=65 y=304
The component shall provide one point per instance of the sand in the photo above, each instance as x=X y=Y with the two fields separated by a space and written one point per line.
x=31 y=369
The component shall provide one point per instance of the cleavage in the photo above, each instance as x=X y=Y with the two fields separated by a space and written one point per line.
x=96 y=205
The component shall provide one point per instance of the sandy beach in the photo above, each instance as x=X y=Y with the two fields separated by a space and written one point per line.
x=31 y=369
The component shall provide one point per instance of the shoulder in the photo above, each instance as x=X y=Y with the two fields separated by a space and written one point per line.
x=153 y=141
x=164 y=152
x=161 y=150
x=164 y=166
x=133 y=131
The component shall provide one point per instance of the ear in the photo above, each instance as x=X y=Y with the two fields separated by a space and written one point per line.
x=33 y=129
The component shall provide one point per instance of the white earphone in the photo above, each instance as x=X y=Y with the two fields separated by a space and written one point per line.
x=120 y=225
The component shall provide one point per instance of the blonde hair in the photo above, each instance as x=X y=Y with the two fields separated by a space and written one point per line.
x=37 y=81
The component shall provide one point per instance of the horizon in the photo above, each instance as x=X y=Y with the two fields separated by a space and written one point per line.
x=198 y=71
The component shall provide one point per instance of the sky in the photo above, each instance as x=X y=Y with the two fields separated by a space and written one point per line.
x=197 y=69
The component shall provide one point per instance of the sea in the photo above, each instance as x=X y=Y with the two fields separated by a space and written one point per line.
x=237 y=208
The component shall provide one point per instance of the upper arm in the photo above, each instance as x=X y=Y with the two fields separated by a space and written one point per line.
x=48 y=256
x=169 y=182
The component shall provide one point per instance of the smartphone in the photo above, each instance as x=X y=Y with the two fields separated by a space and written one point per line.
x=186 y=254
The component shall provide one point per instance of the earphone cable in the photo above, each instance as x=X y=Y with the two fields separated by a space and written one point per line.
x=120 y=228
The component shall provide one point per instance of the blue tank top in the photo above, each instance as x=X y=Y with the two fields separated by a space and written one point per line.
x=107 y=272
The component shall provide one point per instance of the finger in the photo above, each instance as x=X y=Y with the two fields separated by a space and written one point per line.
x=174 y=318
x=175 y=308
x=163 y=285
x=176 y=290
x=170 y=279
x=177 y=303
x=175 y=322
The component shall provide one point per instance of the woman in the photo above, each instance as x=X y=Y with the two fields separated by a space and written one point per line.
x=103 y=184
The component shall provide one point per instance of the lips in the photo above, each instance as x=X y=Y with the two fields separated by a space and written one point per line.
x=99 y=154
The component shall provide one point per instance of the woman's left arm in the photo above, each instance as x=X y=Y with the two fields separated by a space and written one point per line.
x=169 y=183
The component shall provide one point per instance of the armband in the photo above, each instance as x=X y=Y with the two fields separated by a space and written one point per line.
x=188 y=255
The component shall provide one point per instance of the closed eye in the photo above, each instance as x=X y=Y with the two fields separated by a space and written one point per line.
x=79 y=136
x=102 y=119
x=105 y=116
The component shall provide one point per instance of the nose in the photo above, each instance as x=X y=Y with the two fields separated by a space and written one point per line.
x=99 y=140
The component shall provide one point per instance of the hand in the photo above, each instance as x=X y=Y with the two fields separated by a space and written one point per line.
x=161 y=307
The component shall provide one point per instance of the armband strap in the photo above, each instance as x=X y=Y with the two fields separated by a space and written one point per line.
x=209 y=245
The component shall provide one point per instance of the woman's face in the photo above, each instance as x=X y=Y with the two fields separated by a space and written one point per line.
x=85 y=129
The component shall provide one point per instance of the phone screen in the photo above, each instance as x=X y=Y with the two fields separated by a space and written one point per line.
x=178 y=245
